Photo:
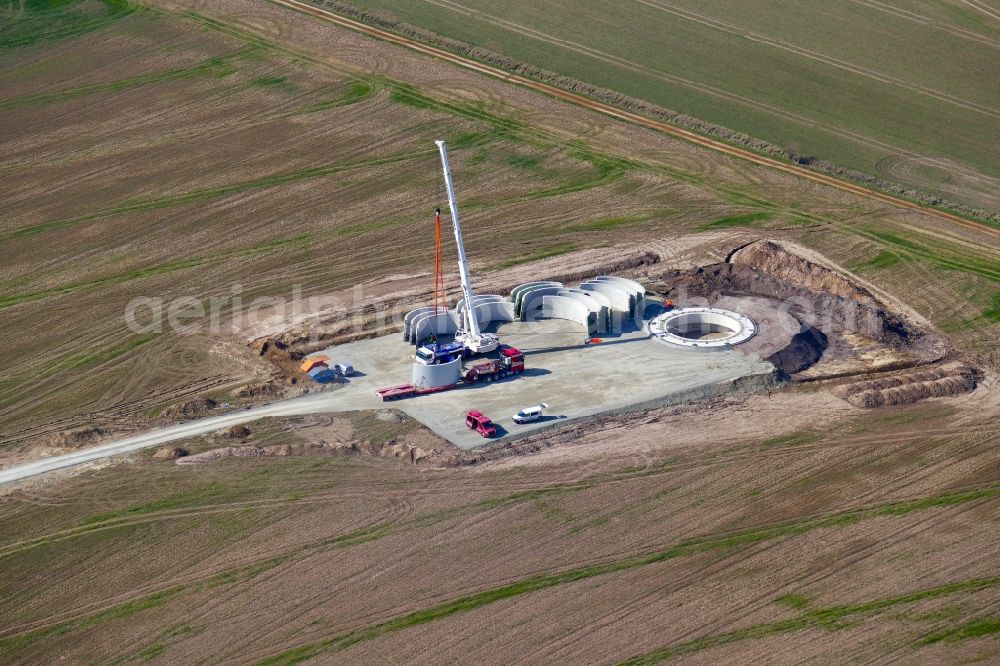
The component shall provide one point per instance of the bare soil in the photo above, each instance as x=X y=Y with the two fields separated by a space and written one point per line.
x=906 y=388
x=735 y=530
x=303 y=530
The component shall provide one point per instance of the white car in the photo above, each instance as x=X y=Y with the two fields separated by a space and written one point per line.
x=345 y=369
x=529 y=414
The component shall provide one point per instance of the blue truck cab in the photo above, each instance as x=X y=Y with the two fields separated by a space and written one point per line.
x=434 y=353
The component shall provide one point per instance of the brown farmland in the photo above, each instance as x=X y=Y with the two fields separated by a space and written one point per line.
x=236 y=148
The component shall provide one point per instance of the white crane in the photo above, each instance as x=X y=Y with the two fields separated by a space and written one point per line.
x=474 y=340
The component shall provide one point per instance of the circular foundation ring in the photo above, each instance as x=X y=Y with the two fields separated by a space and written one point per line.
x=702 y=328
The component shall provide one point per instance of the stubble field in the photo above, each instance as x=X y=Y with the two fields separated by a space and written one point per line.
x=865 y=538
x=215 y=163
x=241 y=144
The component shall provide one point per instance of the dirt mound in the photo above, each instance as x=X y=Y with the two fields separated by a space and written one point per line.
x=805 y=349
x=170 y=453
x=190 y=408
x=908 y=388
x=830 y=313
x=251 y=391
x=769 y=257
x=77 y=437
x=233 y=432
x=404 y=450
x=391 y=416
x=279 y=451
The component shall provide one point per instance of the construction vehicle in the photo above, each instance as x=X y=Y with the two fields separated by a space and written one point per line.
x=474 y=340
x=510 y=361
x=434 y=353
x=481 y=423
x=469 y=339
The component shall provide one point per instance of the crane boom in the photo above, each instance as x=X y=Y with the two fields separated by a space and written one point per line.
x=473 y=338
x=463 y=264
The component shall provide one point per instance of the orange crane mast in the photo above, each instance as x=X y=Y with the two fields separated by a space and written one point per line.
x=440 y=298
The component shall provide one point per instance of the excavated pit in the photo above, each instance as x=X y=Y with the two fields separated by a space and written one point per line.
x=842 y=327
x=703 y=328
x=696 y=326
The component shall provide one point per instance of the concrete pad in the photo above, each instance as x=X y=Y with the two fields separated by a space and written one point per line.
x=576 y=380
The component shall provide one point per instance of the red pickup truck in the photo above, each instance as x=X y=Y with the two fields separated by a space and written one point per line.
x=481 y=423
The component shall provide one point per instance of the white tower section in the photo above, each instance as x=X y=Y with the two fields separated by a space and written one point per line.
x=475 y=340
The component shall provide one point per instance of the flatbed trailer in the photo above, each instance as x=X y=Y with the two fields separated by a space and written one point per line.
x=409 y=391
x=509 y=361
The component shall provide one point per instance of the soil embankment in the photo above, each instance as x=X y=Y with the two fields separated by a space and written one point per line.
x=910 y=387
x=843 y=324
x=804 y=350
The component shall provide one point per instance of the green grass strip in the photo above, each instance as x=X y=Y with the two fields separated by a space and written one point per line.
x=884 y=259
x=992 y=313
x=791 y=439
x=827 y=618
x=144 y=204
x=974 y=629
x=179 y=500
x=127 y=276
x=685 y=548
x=127 y=609
x=407 y=95
x=203 y=67
x=614 y=222
x=555 y=250
x=983 y=268
x=358 y=92
x=122 y=611
x=53 y=20
x=741 y=220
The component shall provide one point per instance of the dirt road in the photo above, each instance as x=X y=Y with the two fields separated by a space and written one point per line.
x=308 y=404
x=627 y=116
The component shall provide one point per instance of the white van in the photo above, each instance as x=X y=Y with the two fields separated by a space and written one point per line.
x=529 y=414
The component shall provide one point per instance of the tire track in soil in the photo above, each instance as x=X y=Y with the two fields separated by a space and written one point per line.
x=121 y=410
x=401 y=507
x=846 y=560
x=186 y=580
x=250 y=562
x=982 y=8
x=874 y=74
x=634 y=118
x=633 y=562
x=929 y=22
x=873 y=494
x=688 y=83
x=622 y=612
x=339 y=497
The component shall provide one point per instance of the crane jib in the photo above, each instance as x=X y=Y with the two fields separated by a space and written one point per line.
x=463 y=265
